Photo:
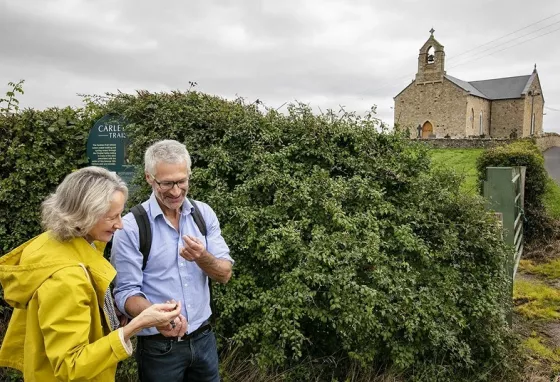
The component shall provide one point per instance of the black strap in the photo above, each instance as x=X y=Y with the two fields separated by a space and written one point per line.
x=198 y=219
x=144 y=232
x=201 y=224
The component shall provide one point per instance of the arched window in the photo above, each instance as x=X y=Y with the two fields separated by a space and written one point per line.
x=472 y=120
x=533 y=124
x=481 y=131
x=431 y=55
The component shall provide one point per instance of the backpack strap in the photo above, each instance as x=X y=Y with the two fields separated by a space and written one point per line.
x=144 y=232
x=198 y=219
x=201 y=224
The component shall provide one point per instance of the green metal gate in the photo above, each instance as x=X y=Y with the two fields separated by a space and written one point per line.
x=504 y=190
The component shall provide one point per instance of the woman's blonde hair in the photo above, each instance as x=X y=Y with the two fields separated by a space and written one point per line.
x=82 y=198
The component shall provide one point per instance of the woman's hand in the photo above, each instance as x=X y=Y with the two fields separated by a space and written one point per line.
x=154 y=315
x=159 y=314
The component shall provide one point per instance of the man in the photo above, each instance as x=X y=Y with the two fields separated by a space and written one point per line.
x=178 y=265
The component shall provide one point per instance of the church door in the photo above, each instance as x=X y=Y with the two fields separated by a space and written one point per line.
x=427 y=130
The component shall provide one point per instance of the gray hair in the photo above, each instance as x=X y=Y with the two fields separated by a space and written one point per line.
x=167 y=151
x=82 y=198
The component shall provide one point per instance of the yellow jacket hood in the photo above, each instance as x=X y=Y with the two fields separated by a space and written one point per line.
x=22 y=271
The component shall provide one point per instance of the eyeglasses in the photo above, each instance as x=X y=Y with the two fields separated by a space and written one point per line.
x=167 y=185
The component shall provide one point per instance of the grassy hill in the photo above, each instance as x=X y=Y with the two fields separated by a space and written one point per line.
x=463 y=161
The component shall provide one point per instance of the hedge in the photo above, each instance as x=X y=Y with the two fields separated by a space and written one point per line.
x=347 y=245
x=538 y=225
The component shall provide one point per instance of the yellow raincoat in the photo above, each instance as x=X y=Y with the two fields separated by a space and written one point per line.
x=58 y=331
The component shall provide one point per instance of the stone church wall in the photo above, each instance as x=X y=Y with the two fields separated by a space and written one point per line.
x=440 y=103
x=477 y=105
x=537 y=109
x=507 y=117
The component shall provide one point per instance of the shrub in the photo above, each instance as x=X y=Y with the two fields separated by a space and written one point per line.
x=538 y=225
x=37 y=150
x=346 y=245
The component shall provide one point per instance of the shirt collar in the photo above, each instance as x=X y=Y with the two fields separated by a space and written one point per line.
x=155 y=209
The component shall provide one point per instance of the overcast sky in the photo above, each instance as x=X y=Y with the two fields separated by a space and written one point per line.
x=325 y=53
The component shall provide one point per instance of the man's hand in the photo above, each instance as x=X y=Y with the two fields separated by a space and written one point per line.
x=179 y=330
x=217 y=269
x=193 y=249
x=123 y=320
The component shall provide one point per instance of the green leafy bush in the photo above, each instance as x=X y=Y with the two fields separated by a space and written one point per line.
x=348 y=248
x=538 y=225
x=37 y=150
x=346 y=245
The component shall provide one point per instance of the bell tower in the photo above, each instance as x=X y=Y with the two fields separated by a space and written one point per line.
x=431 y=61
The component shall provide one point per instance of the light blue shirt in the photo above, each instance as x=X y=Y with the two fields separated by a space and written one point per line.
x=167 y=275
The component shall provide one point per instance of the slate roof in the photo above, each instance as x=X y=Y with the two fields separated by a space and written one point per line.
x=499 y=88
x=465 y=86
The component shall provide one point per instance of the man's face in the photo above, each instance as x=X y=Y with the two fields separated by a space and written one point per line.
x=170 y=184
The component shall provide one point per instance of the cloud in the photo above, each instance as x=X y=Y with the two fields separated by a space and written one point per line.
x=324 y=52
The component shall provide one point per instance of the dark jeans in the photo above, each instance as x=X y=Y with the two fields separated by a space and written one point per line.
x=193 y=360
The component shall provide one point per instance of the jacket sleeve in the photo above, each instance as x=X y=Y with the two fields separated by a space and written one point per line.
x=67 y=302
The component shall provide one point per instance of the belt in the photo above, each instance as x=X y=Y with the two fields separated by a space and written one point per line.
x=160 y=337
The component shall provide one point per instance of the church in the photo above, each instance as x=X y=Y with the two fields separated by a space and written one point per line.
x=437 y=105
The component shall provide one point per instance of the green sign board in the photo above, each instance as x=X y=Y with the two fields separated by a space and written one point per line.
x=107 y=146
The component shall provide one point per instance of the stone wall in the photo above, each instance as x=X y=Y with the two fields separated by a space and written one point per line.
x=465 y=143
x=537 y=103
x=476 y=106
x=548 y=140
x=543 y=142
x=507 y=117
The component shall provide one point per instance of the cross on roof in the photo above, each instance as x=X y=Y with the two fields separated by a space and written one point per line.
x=432 y=31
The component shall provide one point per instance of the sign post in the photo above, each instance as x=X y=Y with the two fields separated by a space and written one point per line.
x=107 y=146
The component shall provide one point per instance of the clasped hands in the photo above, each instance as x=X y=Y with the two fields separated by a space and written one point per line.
x=177 y=327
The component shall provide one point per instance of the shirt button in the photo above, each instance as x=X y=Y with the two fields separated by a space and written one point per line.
x=182 y=264
x=188 y=306
x=186 y=284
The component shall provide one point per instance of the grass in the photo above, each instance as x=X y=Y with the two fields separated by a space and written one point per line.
x=540 y=352
x=461 y=161
x=552 y=199
x=550 y=270
x=538 y=300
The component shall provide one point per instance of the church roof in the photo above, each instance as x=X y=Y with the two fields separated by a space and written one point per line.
x=498 y=88
x=465 y=86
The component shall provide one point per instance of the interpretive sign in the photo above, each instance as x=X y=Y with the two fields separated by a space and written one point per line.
x=107 y=146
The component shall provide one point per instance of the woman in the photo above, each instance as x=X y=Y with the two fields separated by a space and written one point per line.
x=64 y=318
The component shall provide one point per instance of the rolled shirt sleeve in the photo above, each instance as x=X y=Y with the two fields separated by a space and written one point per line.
x=127 y=259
